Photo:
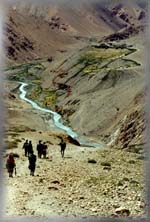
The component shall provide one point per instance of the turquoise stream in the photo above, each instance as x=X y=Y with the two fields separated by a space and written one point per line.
x=57 y=119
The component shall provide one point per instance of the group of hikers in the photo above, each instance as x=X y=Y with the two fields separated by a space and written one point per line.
x=41 y=148
x=29 y=152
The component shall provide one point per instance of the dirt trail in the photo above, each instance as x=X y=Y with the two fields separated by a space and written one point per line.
x=74 y=187
x=38 y=195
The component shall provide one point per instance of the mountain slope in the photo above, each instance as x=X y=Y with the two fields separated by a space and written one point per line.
x=41 y=31
x=77 y=66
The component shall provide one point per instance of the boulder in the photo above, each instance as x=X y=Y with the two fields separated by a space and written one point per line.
x=56 y=182
x=52 y=188
x=92 y=161
x=121 y=211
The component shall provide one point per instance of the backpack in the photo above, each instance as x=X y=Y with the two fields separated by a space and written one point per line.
x=25 y=145
x=10 y=164
x=63 y=144
x=32 y=159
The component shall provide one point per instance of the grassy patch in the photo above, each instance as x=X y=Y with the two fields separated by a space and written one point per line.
x=50 y=100
x=24 y=72
x=96 y=59
x=39 y=67
x=44 y=98
x=98 y=55
x=91 y=68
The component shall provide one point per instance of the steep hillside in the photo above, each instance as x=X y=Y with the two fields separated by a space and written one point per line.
x=91 y=88
x=129 y=12
x=36 y=32
x=41 y=31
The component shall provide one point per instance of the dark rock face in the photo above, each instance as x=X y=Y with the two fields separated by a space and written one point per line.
x=10 y=51
x=56 y=23
x=132 y=130
x=116 y=9
x=130 y=31
x=124 y=17
x=73 y=141
x=16 y=43
x=142 y=15
x=11 y=96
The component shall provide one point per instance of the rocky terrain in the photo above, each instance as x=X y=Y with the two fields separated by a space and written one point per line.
x=84 y=61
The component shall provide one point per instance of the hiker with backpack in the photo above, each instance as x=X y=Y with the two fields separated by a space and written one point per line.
x=39 y=148
x=62 y=145
x=10 y=164
x=32 y=162
x=25 y=147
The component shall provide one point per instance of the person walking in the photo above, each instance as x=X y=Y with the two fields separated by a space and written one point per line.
x=25 y=147
x=10 y=164
x=32 y=162
x=39 y=148
x=62 y=146
x=30 y=147
x=44 y=150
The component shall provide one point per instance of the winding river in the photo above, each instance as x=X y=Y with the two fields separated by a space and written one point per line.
x=57 y=119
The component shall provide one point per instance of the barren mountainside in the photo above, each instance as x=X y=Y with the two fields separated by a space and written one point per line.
x=37 y=32
x=87 y=64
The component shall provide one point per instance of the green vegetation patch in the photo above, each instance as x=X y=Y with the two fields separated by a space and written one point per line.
x=98 y=55
x=91 y=69
x=96 y=59
x=39 y=67
x=44 y=98
x=50 y=99
x=24 y=72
